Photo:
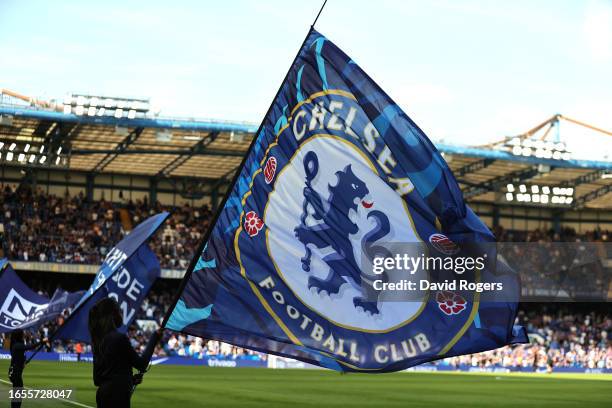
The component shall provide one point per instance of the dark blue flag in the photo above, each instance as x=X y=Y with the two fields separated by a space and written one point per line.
x=129 y=286
x=336 y=176
x=22 y=308
x=59 y=302
x=19 y=304
x=123 y=251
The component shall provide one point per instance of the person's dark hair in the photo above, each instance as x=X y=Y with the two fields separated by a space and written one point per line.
x=16 y=337
x=104 y=317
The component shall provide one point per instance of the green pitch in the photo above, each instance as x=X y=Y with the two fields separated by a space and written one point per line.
x=184 y=387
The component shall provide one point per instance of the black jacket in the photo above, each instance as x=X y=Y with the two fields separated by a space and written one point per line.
x=115 y=360
x=18 y=354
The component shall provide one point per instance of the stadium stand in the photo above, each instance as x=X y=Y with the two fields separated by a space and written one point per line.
x=562 y=338
x=47 y=228
x=102 y=175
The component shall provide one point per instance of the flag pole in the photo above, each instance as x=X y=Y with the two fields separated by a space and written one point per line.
x=208 y=233
x=320 y=11
x=156 y=337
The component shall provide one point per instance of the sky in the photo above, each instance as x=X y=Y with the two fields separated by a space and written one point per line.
x=468 y=72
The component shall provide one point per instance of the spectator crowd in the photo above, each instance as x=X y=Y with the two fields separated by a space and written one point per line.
x=46 y=228
x=40 y=227
x=559 y=337
x=562 y=265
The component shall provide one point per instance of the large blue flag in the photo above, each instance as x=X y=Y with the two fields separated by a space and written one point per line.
x=336 y=176
x=129 y=286
x=22 y=308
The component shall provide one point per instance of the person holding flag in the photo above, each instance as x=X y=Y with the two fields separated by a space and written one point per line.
x=113 y=356
x=125 y=276
x=18 y=361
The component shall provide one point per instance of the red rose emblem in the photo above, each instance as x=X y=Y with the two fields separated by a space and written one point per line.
x=252 y=223
x=270 y=169
x=443 y=244
x=450 y=303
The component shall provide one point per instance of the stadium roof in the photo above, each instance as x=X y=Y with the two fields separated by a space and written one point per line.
x=171 y=147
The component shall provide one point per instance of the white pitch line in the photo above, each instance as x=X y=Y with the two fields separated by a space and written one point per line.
x=78 y=404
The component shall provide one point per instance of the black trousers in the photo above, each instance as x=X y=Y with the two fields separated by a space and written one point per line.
x=114 y=394
x=17 y=381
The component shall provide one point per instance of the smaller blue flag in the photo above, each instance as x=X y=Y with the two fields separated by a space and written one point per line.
x=60 y=301
x=22 y=308
x=129 y=286
x=123 y=251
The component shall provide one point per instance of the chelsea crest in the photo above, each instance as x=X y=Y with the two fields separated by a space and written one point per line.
x=319 y=210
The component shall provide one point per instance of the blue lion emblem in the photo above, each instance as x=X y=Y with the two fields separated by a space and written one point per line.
x=333 y=228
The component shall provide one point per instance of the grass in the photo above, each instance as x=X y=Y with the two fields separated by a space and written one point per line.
x=183 y=387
